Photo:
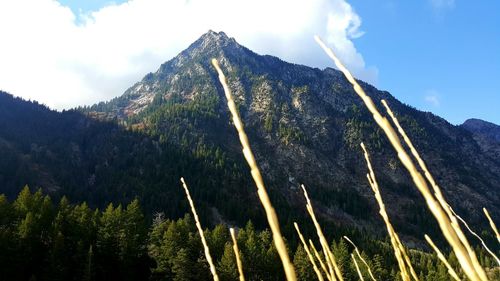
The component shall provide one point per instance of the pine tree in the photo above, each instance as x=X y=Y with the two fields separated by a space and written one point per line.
x=182 y=266
x=379 y=269
x=227 y=268
x=217 y=239
x=303 y=266
x=343 y=258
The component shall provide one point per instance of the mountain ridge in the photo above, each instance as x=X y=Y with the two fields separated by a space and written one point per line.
x=305 y=126
x=298 y=113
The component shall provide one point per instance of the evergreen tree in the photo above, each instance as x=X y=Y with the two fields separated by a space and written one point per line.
x=182 y=266
x=227 y=268
x=303 y=266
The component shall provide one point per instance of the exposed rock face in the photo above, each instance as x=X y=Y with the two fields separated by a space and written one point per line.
x=306 y=125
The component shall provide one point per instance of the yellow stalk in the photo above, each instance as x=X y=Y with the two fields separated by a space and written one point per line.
x=406 y=257
x=360 y=257
x=272 y=218
x=437 y=191
x=451 y=231
x=420 y=162
x=476 y=235
x=326 y=249
x=309 y=255
x=322 y=264
x=392 y=234
x=237 y=255
x=357 y=268
x=200 y=230
x=440 y=255
x=492 y=224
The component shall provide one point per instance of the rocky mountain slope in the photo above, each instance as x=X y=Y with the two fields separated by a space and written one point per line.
x=305 y=126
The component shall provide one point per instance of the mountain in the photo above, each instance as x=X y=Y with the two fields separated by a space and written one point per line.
x=304 y=124
x=483 y=128
x=486 y=134
x=69 y=154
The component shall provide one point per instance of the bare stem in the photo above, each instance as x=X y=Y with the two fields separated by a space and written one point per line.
x=360 y=257
x=237 y=254
x=272 y=218
x=324 y=244
x=200 y=230
x=440 y=255
x=357 y=268
x=492 y=224
x=449 y=228
x=306 y=248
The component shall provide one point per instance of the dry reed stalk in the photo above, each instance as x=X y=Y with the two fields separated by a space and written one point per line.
x=492 y=224
x=398 y=251
x=200 y=230
x=237 y=255
x=321 y=263
x=420 y=162
x=360 y=257
x=326 y=249
x=272 y=218
x=476 y=235
x=406 y=257
x=357 y=268
x=437 y=191
x=309 y=255
x=452 y=233
x=440 y=255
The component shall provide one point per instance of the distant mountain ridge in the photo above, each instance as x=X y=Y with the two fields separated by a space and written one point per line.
x=305 y=126
x=481 y=127
x=486 y=134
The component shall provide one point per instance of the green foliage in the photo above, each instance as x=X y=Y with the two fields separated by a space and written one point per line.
x=228 y=270
x=288 y=134
x=360 y=128
x=43 y=241
x=268 y=123
x=303 y=266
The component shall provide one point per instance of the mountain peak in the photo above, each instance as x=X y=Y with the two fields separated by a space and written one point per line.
x=213 y=41
x=484 y=128
x=211 y=35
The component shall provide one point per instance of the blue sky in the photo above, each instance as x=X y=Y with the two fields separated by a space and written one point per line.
x=422 y=51
x=436 y=55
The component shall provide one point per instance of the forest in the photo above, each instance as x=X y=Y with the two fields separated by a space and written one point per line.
x=45 y=240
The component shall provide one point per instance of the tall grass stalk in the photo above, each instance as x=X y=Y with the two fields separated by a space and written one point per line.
x=361 y=258
x=357 y=268
x=437 y=191
x=398 y=250
x=440 y=255
x=477 y=236
x=329 y=275
x=309 y=255
x=450 y=230
x=492 y=224
x=239 y=264
x=324 y=244
x=272 y=218
x=200 y=230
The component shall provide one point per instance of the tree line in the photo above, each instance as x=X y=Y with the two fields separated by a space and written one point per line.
x=43 y=240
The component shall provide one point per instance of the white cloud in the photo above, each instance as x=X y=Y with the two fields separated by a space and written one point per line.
x=432 y=98
x=442 y=4
x=48 y=55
